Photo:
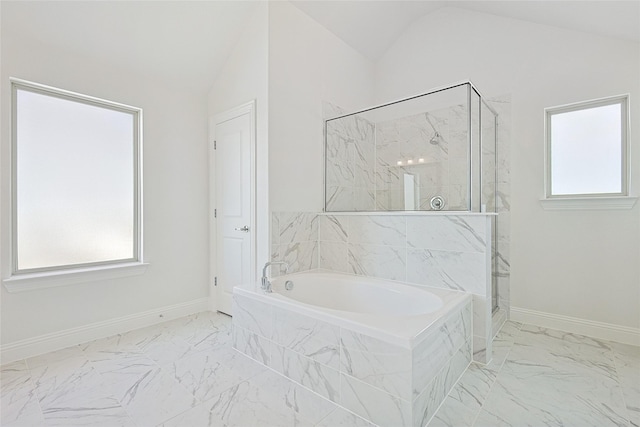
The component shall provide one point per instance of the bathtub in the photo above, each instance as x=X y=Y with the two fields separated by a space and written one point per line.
x=387 y=351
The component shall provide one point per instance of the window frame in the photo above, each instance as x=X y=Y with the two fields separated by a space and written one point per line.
x=623 y=101
x=82 y=270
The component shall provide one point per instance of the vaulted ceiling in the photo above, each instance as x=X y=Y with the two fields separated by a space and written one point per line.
x=371 y=27
x=189 y=41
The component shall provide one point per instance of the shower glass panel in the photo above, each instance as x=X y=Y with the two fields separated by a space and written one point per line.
x=409 y=155
x=489 y=186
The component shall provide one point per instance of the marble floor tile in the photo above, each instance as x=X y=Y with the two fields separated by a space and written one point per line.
x=245 y=405
x=93 y=411
x=184 y=373
x=18 y=399
x=203 y=376
x=555 y=378
x=153 y=398
x=462 y=405
x=627 y=359
x=343 y=418
x=279 y=390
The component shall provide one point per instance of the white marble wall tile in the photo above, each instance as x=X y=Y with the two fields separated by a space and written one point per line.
x=373 y=404
x=387 y=262
x=334 y=256
x=312 y=338
x=339 y=198
x=252 y=315
x=427 y=403
x=436 y=350
x=333 y=228
x=298 y=227
x=364 y=199
x=383 y=365
x=275 y=229
x=253 y=345
x=378 y=230
x=315 y=376
x=481 y=316
x=448 y=232
x=301 y=256
x=463 y=271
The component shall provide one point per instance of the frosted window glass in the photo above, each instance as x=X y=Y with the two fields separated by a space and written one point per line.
x=586 y=151
x=74 y=182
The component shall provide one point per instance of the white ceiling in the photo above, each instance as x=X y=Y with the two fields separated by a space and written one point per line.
x=189 y=41
x=186 y=42
x=371 y=27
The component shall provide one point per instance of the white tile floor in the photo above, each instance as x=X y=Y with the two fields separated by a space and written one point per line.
x=183 y=373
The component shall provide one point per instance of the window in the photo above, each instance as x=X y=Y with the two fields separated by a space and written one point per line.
x=587 y=149
x=76 y=187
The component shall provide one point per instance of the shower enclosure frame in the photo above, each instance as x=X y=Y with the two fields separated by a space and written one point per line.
x=476 y=202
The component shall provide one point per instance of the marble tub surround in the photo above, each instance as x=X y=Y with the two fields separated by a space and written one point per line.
x=449 y=251
x=443 y=250
x=395 y=383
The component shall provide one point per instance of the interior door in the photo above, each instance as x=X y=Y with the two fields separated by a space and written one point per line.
x=233 y=206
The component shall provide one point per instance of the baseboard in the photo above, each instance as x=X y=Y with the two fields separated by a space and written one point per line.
x=606 y=331
x=58 y=340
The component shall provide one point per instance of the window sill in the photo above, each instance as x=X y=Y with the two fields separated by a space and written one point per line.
x=588 y=203
x=51 y=279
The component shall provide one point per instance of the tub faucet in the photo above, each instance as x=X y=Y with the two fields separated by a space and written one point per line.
x=266 y=284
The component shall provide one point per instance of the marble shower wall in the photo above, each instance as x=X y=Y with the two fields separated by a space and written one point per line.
x=350 y=164
x=433 y=148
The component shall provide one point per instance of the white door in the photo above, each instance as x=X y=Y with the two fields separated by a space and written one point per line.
x=233 y=147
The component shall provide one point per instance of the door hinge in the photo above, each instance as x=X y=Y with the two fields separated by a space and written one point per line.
x=215 y=281
x=214 y=145
x=215 y=213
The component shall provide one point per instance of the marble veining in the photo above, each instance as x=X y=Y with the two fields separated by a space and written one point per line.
x=592 y=383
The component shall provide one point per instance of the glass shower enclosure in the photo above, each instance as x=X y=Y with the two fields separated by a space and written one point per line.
x=432 y=152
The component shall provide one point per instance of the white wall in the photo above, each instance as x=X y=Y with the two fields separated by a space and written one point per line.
x=243 y=78
x=307 y=65
x=175 y=196
x=582 y=264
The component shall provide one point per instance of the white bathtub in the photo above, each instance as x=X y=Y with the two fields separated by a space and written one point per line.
x=394 y=312
x=387 y=351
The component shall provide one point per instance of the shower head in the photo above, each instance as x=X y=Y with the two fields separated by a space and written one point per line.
x=435 y=139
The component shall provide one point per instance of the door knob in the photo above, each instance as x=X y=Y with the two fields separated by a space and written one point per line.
x=244 y=229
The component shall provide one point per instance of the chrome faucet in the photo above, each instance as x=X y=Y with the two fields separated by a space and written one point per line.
x=266 y=284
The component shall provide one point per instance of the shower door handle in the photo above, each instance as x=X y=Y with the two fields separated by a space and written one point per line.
x=244 y=229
